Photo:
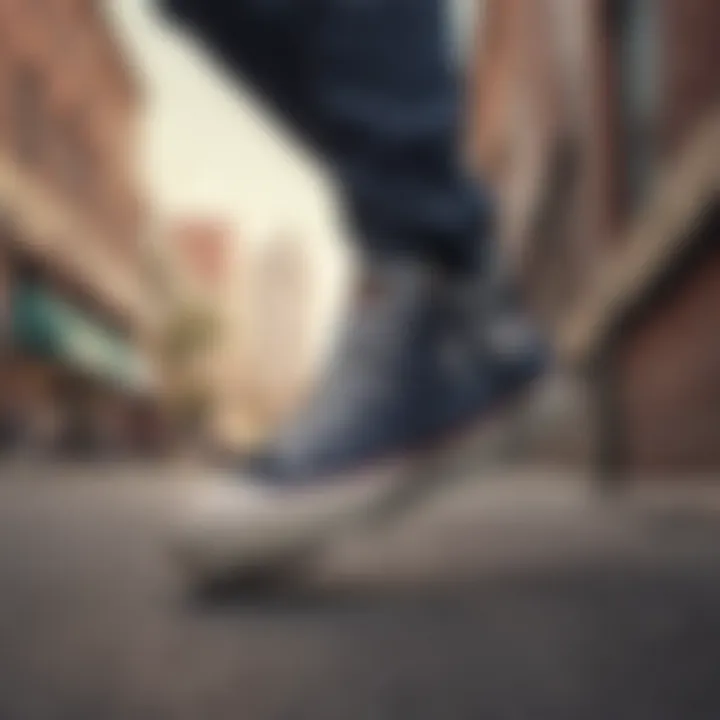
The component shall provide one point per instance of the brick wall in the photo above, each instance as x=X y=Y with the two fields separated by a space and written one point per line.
x=537 y=140
x=571 y=197
x=692 y=34
x=4 y=295
x=83 y=114
x=669 y=370
x=668 y=357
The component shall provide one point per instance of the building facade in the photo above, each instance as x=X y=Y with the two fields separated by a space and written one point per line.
x=597 y=122
x=256 y=363
x=279 y=347
x=75 y=315
x=198 y=264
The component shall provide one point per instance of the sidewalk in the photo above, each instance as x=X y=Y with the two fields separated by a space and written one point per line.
x=518 y=594
x=527 y=520
x=38 y=469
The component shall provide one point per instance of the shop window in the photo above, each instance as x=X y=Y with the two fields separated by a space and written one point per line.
x=637 y=83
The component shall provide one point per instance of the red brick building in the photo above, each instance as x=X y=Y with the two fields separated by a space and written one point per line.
x=70 y=224
x=598 y=122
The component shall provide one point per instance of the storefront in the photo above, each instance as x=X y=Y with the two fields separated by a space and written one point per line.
x=75 y=382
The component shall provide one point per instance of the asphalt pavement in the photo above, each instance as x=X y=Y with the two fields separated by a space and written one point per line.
x=505 y=598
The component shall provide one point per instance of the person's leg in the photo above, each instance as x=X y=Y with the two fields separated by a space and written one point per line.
x=266 y=42
x=389 y=104
x=371 y=84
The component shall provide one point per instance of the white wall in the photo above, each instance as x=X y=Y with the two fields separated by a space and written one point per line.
x=209 y=147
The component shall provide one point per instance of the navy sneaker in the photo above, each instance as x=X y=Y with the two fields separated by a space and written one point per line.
x=415 y=366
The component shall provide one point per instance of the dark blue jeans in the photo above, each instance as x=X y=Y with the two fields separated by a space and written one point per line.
x=371 y=84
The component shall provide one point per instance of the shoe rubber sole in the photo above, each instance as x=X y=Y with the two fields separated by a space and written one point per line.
x=396 y=486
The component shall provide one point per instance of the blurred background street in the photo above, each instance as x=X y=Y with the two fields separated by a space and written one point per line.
x=173 y=267
x=513 y=596
x=174 y=262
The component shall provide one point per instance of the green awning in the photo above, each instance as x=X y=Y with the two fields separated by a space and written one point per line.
x=47 y=325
